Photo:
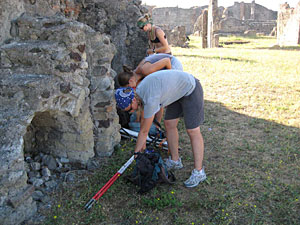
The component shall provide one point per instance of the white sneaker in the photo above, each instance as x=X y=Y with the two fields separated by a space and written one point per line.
x=196 y=177
x=173 y=165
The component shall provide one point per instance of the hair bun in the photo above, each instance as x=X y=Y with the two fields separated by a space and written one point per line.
x=127 y=69
x=147 y=16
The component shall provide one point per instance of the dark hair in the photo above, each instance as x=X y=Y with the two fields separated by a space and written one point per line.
x=123 y=78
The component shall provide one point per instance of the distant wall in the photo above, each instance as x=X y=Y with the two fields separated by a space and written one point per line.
x=253 y=11
x=174 y=16
x=235 y=26
x=242 y=17
x=288 y=28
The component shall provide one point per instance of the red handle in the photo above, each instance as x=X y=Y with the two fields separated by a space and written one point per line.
x=106 y=186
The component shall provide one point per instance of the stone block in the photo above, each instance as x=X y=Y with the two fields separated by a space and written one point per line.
x=21 y=197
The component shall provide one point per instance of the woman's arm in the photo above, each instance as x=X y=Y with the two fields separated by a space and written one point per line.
x=139 y=67
x=160 y=34
x=151 y=45
x=142 y=137
x=149 y=68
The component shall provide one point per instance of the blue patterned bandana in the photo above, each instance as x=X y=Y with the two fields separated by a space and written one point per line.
x=124 y=96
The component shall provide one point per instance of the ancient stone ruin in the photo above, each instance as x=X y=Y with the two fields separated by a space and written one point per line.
x=174 y=16
x=206 y=25
x=212 y=24
x=176 y=35
x=239 y=19
x=177 y=23
x=58 y=60
x=288 y=27
x=243 y=17
x=115 y=18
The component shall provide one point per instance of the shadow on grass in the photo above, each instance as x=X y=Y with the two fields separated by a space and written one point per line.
x=252 y=167
x=254 y=37
x=247 y=37
x=255 y=163
x=218 y=58
x=285 y=48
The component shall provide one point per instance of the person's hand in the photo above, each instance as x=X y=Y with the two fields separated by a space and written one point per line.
x=138 y=70
x=150 y=51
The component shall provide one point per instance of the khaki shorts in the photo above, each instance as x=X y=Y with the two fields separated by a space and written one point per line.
x=190 y=107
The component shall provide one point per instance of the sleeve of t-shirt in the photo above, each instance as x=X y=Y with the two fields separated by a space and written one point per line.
x=151 y=106
x=156 y=57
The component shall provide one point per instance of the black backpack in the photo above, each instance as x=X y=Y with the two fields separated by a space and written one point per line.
x=124 y=118
x=150 y=170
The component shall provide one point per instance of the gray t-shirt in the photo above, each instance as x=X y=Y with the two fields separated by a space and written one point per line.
x=156 y=57
x=164 y=87
x=175 y=63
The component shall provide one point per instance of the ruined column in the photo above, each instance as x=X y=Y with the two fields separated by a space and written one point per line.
x=204 y=28
x=252 y=16
x=288 y=25
x=299 y=35
x=242 y=11
x=297 y=9
x=212 y=22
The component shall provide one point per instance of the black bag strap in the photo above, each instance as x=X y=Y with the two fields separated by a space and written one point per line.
x=167 y=178
x=156 y=123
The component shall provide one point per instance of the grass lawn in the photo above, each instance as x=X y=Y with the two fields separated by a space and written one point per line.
x=252 y=148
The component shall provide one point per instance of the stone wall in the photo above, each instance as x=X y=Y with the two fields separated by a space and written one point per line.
x=242 y=18
x=176 y=35
x=50 y=102
x=239 y=27
x=9 y=10
x=56 y=86
x=174 y=16
x=118 y=19
x=12 y=9
x=288 y=28
x=250 y=11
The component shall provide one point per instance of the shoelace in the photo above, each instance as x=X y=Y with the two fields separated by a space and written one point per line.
x=193 y=178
